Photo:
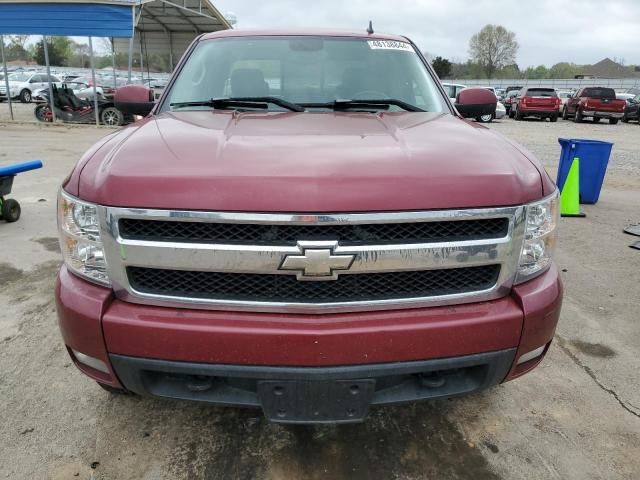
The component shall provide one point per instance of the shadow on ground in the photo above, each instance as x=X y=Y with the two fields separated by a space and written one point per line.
x=412 y=442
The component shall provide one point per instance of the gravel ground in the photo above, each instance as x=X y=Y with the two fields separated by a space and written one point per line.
x=577 y=416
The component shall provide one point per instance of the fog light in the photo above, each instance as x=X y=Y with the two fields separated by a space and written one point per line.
x=94 y=363
x=531 y=355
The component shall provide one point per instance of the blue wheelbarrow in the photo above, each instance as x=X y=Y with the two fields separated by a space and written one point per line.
x=10 y=208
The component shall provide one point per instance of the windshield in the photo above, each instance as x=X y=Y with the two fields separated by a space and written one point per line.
x=596 y=92
x=306 y=70
x=18 y=77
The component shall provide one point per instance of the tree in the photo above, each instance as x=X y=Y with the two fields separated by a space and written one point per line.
x=564 y=70
x=19 y=40
x=442 y=66
x=59 y=51
x=493 y=47
x=536 y=73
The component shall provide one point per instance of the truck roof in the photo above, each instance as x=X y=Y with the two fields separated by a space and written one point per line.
x=302 y=33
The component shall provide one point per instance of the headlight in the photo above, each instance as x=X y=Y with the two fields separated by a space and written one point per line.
x=539 y=237
x=80 y=242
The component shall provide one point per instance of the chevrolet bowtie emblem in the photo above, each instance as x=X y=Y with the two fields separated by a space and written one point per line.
x=317 y=261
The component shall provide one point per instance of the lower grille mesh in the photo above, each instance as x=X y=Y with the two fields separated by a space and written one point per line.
x=286 y=288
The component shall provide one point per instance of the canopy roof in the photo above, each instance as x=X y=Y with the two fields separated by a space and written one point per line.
x=167 y=27
x=102 y=18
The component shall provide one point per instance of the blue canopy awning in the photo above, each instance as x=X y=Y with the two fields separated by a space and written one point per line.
x=74 y=19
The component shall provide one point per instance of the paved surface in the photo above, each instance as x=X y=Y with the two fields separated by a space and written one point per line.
x=575 y=417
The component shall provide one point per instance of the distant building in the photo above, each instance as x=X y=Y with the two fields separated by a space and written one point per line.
x=607 y=68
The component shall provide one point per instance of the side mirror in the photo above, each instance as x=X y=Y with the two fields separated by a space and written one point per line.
x=134 y=99
x=476 y=102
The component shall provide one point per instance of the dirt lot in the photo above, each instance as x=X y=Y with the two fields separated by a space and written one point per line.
x=576 y=417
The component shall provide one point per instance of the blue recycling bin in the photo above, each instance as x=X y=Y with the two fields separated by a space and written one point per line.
x=594 y=157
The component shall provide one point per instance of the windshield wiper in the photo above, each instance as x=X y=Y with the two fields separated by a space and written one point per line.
x=379 y=104
x=242 y=102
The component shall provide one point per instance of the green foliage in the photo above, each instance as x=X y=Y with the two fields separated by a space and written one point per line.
x=565 y=70
x=536 y=73
x=492 y=48
x=56 y=57
x=442 y=66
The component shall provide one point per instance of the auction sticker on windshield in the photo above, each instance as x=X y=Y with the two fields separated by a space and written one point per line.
x=389 y=45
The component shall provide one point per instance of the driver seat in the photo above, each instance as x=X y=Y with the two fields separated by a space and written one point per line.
x=248 y=82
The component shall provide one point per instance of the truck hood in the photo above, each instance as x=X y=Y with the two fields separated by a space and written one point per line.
x=307 y=162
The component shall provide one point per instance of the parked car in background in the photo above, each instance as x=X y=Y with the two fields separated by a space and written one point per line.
x=508 y=99
x=513 y=88
x=632 y=110
x=564 y=95
x=453 y=89
x=625 y=96
x=23 y=84
x=500 y=110
x=80 y=90
x=106 y=85
x=540 y=102
x=594 y=102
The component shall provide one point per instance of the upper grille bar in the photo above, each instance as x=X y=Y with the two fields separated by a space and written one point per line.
x=345 y=234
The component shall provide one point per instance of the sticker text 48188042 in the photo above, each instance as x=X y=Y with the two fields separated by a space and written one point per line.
x=389 y=45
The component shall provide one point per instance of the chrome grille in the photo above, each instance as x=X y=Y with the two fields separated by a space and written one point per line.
x=270 y=262
x=265 y=234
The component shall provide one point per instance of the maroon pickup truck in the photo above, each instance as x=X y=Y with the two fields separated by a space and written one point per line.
x=304 y=223
x=594 y=102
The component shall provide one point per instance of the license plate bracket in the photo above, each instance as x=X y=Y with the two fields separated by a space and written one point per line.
x=326 y=401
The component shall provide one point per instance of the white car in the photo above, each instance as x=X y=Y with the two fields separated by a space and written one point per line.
x=452 y=90
x=564 y=95
x=22 y=85
x=80 y=89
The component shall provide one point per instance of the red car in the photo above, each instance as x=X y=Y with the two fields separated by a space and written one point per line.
x=594 y=102
x=305 y=223
x=537 y=102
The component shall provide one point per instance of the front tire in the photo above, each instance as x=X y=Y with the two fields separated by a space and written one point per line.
x=596 y=119
x=11 y=210
x=625 y=119
x=578 y=117
x=613 y=121
x=112 y=117
x=565 y=114
x=25 y=96
x=43 y=113
x=484 y=118
x=553 y=118
x=519 y=114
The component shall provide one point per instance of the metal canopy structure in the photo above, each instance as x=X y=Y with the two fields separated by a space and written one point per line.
x=162 y=27
x=167 y=27
x=113 y=18
x=80 y=19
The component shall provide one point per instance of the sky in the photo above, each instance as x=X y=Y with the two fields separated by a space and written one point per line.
x=548 y=31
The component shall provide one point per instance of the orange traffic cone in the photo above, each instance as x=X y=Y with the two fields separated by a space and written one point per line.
x=570 y=195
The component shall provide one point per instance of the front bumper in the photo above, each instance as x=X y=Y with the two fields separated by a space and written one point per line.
x=144 y=347
x=314 y=394
x=595 y=113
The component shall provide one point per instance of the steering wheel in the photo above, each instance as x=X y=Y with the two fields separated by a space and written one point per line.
x=369 y=95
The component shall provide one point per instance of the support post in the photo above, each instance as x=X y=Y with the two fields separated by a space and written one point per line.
x=93 y=80
x=6 y=76
x=46 y=61
x=141 y=60
x=130 y=59
x=170 y=50
x=113 y=62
